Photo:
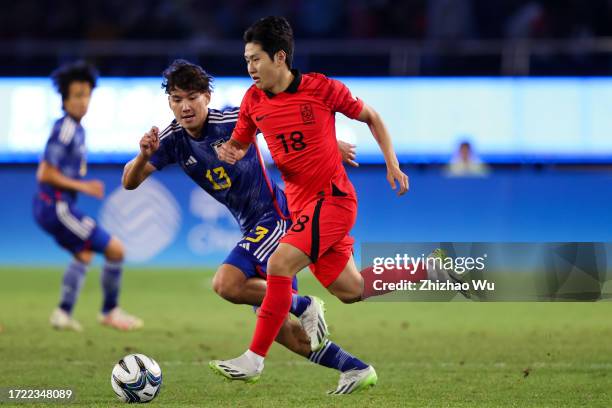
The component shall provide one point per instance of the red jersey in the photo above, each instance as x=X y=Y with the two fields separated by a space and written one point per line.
x=299 y=126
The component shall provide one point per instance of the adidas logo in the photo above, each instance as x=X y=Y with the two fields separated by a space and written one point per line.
x=245 y=245
x=191 y=161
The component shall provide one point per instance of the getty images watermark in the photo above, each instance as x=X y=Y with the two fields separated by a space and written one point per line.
x=425 y=273
x=487 y=271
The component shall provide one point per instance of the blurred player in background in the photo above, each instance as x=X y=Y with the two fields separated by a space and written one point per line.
x=296 y=114
x=60 y=179
x=256 y=202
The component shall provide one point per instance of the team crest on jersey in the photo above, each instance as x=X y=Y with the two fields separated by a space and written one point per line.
x=307 y=113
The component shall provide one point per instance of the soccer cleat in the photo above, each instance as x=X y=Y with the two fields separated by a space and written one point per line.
x=120 y=320
x=313 y=322
x=239 y=369
x=63 y=321
x=355 y=380
x=439 y=272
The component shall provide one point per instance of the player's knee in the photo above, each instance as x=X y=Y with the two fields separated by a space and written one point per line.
x=349 y=297
x=279 y=265
x=348 y=294
x=114 y=251
x=225 y=288
x=84 y=257
x=347 y=291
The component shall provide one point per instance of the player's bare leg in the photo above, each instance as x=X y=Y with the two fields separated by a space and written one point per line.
x=112 y=315
x=355 y=374
x=231 y=284
x=84 y=256
x=114 y=250
x=294 y=338
x=283 y=265
x=348 y=286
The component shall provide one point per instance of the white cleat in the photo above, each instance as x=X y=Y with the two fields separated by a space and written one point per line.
x=355 y=380
x=313 y=322
x=240 y=369
x=117 y=318
x=61 y=320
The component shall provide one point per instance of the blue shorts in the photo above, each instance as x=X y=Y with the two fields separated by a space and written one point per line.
x=251 y=253
x=72 y=229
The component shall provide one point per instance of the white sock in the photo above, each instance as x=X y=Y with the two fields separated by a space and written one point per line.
x=255 y=358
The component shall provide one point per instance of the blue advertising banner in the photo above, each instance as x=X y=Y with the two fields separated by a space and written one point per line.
x=169 y=221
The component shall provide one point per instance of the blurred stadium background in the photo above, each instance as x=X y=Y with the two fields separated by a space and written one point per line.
x=527 y=82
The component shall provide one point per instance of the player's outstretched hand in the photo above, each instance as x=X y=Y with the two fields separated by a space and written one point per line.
x=348 y=152
x=396 y=174
x=149 y=143
x=230 y=152
x=94 y=188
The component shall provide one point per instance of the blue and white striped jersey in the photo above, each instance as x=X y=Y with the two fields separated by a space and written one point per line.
x=66 y=151
x=244 y=188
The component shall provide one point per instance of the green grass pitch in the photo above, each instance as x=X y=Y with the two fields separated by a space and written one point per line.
x=426 y=354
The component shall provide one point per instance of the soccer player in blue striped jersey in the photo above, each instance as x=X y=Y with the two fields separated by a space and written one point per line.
x=60 y=178
x=257 y=203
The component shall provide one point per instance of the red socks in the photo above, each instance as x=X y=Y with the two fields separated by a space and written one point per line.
x=272 y=314
x=390 y=275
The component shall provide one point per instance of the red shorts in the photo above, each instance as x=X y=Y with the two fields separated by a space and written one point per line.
x=321 y=231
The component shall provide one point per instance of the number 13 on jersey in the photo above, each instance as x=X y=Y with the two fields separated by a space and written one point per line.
x=221 y=180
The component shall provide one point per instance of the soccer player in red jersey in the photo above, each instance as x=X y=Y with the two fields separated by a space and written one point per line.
x=296 y=114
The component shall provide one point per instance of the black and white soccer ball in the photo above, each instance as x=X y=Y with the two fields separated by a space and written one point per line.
x=136 y=378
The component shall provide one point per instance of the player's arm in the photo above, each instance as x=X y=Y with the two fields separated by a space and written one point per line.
x=243 y=134
x=381 y=134
x=139 y=168
x=49 y=174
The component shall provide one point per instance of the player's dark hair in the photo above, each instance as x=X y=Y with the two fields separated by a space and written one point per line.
x=273 y=34
x=186 y=76
x=79 y=71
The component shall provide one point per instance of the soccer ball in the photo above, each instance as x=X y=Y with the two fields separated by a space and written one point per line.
x=136 y=378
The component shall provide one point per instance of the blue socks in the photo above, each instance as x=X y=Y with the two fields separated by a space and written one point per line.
x=299 y=304
x=111 y=285
x=333 y=356
x=71 y=285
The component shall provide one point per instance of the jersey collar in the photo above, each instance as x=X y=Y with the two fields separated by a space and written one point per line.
x=293 y=86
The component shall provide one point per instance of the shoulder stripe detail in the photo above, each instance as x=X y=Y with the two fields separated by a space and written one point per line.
x=234 y=115
x=67 y=130
x=224 y=113
x=218 y=121
x=173 y=127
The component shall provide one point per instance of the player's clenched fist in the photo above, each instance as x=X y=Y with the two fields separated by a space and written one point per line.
x=149 y=143
x=94 y=188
